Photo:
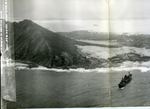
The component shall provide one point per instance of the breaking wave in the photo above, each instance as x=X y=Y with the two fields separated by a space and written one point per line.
x=126 y=66
x=96 y=70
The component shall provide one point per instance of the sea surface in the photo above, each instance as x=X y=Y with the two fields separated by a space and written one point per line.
x=44 y=88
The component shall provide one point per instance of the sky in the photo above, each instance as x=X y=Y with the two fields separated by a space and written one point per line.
x=60 y=9
x=131 y=16
x=130 y=9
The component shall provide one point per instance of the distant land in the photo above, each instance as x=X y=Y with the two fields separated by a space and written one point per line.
x=36 y=45
x=125 y=39
x=84 y=35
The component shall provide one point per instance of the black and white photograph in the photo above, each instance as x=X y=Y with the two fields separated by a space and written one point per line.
x=75 y=53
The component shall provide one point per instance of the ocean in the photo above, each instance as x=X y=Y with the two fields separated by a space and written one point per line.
x=48 y=88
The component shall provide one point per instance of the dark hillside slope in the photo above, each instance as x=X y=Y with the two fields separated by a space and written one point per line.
x=39 y=45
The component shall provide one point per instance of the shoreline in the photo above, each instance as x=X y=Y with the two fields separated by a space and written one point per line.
x=96 y=70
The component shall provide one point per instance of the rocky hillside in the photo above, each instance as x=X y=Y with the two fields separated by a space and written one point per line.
x=36 y=44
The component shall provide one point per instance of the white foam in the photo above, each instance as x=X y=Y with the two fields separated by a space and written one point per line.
x=125 y=66
x=105 y=52
x=96 y=70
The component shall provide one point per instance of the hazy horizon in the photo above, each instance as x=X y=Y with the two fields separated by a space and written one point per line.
x=99 y=26
x=125 y=16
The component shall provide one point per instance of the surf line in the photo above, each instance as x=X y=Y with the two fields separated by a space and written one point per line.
x=96 y=70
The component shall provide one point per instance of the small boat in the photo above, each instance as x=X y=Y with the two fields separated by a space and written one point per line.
x=126 y=80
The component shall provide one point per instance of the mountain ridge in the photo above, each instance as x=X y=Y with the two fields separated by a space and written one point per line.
x=34 y=43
